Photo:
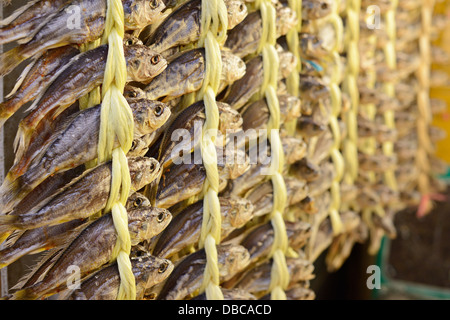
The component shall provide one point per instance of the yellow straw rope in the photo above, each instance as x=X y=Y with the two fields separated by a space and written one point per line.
x=336 y=106
x=214 y=23
x=424 y=117
x=117 y=121
x=389 y=87
x=369 y=145
x=350 y=85
x=279 y=272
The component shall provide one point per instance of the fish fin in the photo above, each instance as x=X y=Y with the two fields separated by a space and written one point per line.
x=24 y=294
x=17 y=13
x=22 y=77
x=4 y=113
x=10 y=60
x=9 y=192
x=42 y=266
x=20 y=143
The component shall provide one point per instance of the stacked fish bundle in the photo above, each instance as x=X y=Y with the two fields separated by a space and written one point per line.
x=264 y=132
x=389 y=124
x=247 y=195
x=52 y=197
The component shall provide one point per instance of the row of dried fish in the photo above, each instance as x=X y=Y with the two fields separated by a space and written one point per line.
x=372 y=130
x=55 y=140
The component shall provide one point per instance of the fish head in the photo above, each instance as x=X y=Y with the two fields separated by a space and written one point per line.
x=143 y=63
x=138 y=148
x=137 y=200
x=300 y=269
x=143 y=171
x=312 y=45
x=150 y=269
x=140 y=13
x=294 y=149
x=297 y=189
x=235 y=162
x=298 y=233
x=241 y=211
x=314 y=89
x=237 y=11
x=233 y=67
x=288 y=62
x=148 y=222
x=290 y=106
x=130 y=40
x=232 y=259
x=350 y=220
x=316 y=9
x=229 y=118
x=133 y=93
x=286 y=19
x=149 y=115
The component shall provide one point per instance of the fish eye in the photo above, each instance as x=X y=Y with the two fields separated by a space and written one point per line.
x=131 y=94
x=129 y=42
x=133 y=145
x=161 y=216
x=324 y=6
x=152 y=167
x=163 y=267
x=138 y=202
x=237 y=118
x=241 y=7
x=155 y=59
x=158 y=111
x=151 y=296
x=154 y=4
x=247 y=206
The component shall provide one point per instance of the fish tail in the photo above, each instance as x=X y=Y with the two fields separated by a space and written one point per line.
x=7 y=109
x=7 y=226
x=24 y=294
x=10 y=60
x=9 y=191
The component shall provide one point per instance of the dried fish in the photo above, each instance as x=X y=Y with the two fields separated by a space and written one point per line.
x=182 y=26
x=79 y=77
x=82 y=135
x=186 y=225
x=91 y=190
x=104 y=285
x=101 y=237
x=186 y=72
x=61 y=29
x=244 y=39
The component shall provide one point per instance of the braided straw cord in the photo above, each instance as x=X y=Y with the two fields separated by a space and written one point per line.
x=424 y=118
x=350 y=86
x=389 y=87
x=279 y=271
x=369 y=144
x=214 y=24
x=117 y=121
x=336 y=107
